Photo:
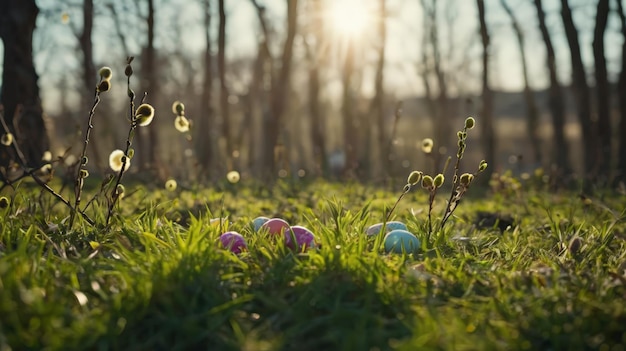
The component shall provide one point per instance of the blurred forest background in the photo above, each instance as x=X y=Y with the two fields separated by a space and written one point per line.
x=334 y=88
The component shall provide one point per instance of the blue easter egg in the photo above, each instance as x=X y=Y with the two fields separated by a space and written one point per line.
x=258 y=222
x=391 y=225
x=399 y=241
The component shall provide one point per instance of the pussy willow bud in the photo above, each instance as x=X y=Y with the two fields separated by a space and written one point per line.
x=482 y=166
x=407 y=188
x=104 y=86
x=427 y=182
x=178 y=108
x=144 y=114
x=4 y=202
x=105 y=72
x=414 y=177
x=438 y=181
x=6 y=139
x=466 y=179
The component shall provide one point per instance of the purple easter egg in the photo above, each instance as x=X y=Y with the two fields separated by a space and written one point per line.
x=275 y=226
x=304 y=238
x=234 y=242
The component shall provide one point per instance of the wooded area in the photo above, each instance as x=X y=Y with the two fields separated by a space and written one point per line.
x=296 y=107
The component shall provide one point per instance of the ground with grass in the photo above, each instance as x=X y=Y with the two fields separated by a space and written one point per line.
x=156 y=279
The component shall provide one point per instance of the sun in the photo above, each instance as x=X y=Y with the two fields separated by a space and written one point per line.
x=350 y=18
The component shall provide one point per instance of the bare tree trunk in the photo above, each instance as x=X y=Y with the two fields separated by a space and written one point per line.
x=146 y=139
x=89 y=71
x=378 y=103
x=119 y=30
x=221 y=71
x=603 y=99
x=425 y=72
x=442 y=123
x=347 y=111
x=486 y=121
x=280 y=90
x=20 y=91
x=532 y=112
x=438 y=106
x=257 y=92
x=621 y=91
x=560 y=152
x=581 y=90
x=253 y=105
x=150 y=80
x=316 y=56
x=204 y=139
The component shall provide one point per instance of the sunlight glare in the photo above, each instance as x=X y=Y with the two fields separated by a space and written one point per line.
x=349 y=17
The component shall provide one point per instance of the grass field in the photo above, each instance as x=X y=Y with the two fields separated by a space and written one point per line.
x=156 y=279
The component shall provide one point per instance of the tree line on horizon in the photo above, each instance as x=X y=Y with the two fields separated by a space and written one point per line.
x=279 y=123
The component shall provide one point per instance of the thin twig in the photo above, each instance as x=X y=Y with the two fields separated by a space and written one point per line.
x=78 y=181
x=455 y=183
x=129 y=141
x=17 y=149
x=407 y=188
x=39 y=181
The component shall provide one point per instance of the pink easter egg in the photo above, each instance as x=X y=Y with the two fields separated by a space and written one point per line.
x=276 y=226
x=234 y=242
x=304 y=238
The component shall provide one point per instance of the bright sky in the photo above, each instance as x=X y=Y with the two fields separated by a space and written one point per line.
x=404 y=37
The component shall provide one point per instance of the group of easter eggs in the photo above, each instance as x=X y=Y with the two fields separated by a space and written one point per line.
x=299 y=238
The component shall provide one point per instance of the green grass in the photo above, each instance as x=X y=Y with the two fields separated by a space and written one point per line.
x=156 y=279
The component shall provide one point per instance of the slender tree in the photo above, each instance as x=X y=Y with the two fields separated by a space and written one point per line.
x=146 y=140
x=581 y=90
x=442 y=120
x=221 y=72
x=119 y=28
x=378 y=102
x=532 y=113
x=560 y=148
x=347 y=111
x=621 y=162
x=316 y=50
x=425 y=70
x=603 y=99
x=20 y=90
x=486 y=122
x=280 y=90
x=149 y=78
x=432 y=63
x=260 y=84
x=204 y=141
x=84 y=36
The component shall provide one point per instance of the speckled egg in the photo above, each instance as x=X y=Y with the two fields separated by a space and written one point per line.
x=391 y=225
x=258 y=222
x=399 y=241
x=234 y=242
x=304 y=238
x=275 y=226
